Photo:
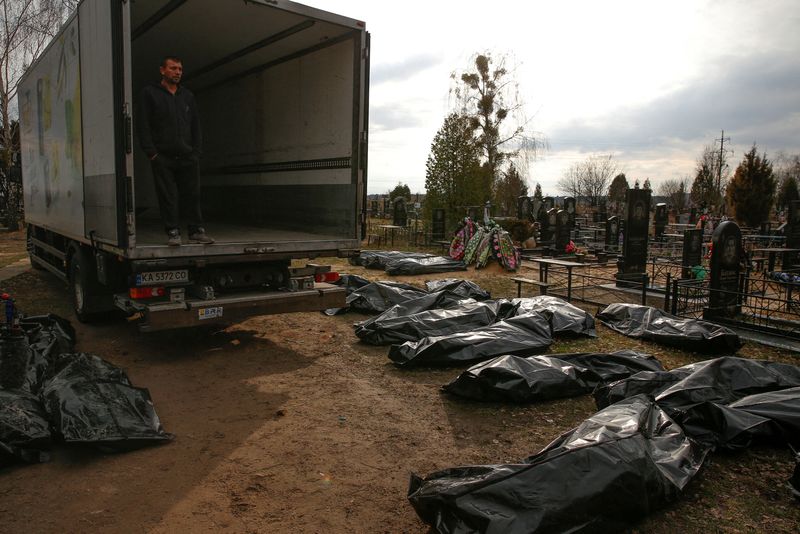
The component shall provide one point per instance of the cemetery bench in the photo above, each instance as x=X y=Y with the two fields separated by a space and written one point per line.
x=519 y=281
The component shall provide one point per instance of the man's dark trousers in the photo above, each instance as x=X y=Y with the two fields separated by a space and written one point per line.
x=177 y=181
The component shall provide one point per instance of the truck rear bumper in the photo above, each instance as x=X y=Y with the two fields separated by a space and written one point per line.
x=230 y=309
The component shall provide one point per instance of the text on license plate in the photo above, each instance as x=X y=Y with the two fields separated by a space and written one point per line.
x=209 y=313
x=162 y=277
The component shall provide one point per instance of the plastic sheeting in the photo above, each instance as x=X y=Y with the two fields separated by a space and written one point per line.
x=436 y=314
x=24 y=429
x=724 y=402
x=540 y=378
x=414 y=266
x=49 y=393
x=379 y=259
x=603 y=476
x=377 y=297
x=92 y=401
x=396 y=262
x=523 y=335
x=564 y=318
x=645 y=322
x=464 y=288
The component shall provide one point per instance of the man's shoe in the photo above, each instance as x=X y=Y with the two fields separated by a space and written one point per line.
x=174 y=238
x=200 y=236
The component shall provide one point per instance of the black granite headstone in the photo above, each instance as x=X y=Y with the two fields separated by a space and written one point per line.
x=569 y=207
x=724 y=298
x=632 y=267
x=603 y=210
x=612 y=232
x=692 y=215
x=792 y=259
x=438 y=225
x=562 y=231
x=525 y=208
x=549 y=203
x=400 y=215
x=692 y=251
x=387 y=208
x=549 y=225
x=660 y=219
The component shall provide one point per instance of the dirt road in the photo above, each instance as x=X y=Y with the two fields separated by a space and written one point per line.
x=289 y=424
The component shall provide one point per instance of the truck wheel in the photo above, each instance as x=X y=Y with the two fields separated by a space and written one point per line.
x=84 y=289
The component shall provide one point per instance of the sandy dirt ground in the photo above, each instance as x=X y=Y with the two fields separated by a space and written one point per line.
x=287 y=424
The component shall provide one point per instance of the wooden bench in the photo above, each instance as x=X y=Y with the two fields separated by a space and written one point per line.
x=519 y=281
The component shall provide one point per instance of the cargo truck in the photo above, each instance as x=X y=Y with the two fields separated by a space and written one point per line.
x=282 y=93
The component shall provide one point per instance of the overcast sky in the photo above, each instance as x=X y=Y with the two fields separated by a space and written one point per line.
x=650 y=83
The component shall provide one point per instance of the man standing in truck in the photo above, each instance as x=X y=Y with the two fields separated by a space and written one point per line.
x=169 y=133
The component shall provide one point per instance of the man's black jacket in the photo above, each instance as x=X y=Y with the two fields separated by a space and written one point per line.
x=168 y=124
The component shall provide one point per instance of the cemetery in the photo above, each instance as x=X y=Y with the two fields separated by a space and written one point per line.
x=684 y=263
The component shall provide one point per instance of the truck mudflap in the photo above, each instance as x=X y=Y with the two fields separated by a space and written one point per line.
x=230 y=309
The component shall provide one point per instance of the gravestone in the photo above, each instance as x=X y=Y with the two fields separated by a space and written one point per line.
x=438 y=225
x=792 y=259
x=536 y=207
x=724 y=298
x=549 y=203
x=603 y=210
x=692 y=215
x=548 y=225
x=386 y=208
x=612 y=232
x=400 y=215
x=569 y=207
x=660 y=220
x=692 y=251
x=632 y=265
x=562 y=231
x=525 y=208
x=374 y=210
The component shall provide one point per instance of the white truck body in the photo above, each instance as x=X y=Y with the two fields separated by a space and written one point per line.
x=282 y=91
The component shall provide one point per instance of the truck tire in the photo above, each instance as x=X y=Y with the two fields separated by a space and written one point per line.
x=90 y=300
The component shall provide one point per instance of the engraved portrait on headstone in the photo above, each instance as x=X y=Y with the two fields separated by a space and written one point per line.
x=632 y=266
x=724 y=297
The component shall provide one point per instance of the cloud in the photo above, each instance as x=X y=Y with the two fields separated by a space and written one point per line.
x=394 y=117
x=402 y=70
x=754 y=98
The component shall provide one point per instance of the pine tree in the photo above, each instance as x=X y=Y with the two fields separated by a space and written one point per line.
x=510 y=187
x=537 y=192
x=453 y=174
x=752 y=189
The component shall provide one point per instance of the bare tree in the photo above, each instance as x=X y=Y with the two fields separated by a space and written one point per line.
x=26 y=26
x=675 y=190
x=571 y=182
x=489 y=96
x=588 y=178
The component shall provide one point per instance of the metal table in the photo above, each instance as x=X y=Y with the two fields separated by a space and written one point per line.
x=544 y=269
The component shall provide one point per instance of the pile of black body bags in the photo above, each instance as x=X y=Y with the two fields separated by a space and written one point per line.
x=650 y=438
x=49 y=393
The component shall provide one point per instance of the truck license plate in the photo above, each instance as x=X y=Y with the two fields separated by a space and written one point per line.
x=209 y=313
x=162 y=277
